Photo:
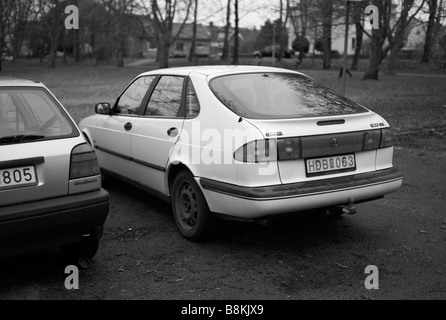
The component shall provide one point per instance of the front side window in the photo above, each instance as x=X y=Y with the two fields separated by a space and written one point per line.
x=166 y=98
x=131 y=100
x=279 y=96
x=29 y=114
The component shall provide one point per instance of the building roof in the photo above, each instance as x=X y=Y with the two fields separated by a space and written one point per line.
x=188 y=30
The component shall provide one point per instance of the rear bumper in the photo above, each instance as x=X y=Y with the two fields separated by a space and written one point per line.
x=257 y=202
x=52 y=223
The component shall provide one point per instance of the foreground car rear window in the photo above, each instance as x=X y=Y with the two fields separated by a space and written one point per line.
x=31 y=114
x=279 y=96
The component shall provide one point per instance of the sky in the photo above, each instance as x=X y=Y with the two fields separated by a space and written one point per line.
x=253 y=13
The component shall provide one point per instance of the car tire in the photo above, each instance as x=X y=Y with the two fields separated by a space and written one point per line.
x=191 y=212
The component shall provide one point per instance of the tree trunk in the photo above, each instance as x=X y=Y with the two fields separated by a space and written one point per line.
x=327 y=25
x=429 y=42
x=192 y=53
x=53 y=50
x=358 y=47
x=164 y=53
x=225 y=53
x=2 y=33
x=235 y=60
x=358 y=9
x=280 y=33
x=393 y=56
x=54 y=34
x=77 y=47
x=377 y=42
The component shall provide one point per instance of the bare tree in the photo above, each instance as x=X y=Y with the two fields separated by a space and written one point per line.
x=5 y=10
x=236 y=34
x=430 y=32
x=358 y=10
x=14 y=18
x=20 y=16
x=192 y=55
x=326 y=8
x=388 y=37
x=56 y=23
x=163 y=20
x=227 y=29
x=282 y=22
x=120 y=24
x=398 y=34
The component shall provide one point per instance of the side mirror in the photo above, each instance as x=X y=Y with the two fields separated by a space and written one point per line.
x=103 y=108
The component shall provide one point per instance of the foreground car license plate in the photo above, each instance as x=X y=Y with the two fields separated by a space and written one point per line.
x=328 y=165
x=17 y=177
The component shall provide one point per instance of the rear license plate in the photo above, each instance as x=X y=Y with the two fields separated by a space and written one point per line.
x=328 y=165
x=18 y=177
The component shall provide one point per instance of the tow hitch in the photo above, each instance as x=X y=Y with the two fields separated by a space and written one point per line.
x=346 y=209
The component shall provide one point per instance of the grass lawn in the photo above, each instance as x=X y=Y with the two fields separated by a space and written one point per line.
x=409 y=103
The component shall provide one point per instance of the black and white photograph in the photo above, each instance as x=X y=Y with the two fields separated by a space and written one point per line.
x=222 y=156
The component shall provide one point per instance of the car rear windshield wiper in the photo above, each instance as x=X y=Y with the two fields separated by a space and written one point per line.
x=20 y=138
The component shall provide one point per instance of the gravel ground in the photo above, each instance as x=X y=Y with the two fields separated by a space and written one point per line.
x=142 y=256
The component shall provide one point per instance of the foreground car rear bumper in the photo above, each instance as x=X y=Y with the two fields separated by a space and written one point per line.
x=257 y=202
x=51 y=223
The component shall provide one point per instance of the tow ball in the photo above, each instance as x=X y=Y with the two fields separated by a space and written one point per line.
x=346 y=209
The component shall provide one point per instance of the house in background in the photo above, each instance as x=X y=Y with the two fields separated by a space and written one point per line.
x=210 y=40
x=183 y=43
x=414 y=42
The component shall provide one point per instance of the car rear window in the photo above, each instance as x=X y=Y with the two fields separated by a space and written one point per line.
x=31 y=114
x=279 y=96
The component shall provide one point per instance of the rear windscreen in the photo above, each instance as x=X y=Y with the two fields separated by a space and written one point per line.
x=279 y=96
x=31 y=114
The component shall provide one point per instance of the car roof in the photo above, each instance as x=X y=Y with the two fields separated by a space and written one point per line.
x=215 y=70
x=18 y=82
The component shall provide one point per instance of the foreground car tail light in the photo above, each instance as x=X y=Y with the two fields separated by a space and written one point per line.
x=257 y=151
x=386 y=139
x=372 y=139
x=84 y=162
x=289 y=149
x=377 y=139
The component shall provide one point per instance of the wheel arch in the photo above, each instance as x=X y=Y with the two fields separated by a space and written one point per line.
x=172 y=172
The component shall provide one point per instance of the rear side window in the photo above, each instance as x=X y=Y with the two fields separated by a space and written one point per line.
x=32 y=112
x=279 y=96
x=192 y=103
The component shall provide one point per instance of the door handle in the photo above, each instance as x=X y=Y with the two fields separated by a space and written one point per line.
x=172 y=132
x=128 y=126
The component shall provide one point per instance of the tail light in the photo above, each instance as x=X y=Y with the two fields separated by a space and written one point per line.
x=372 y=139
x=386 y=139
x=377 y=139
x=257 y=151
x=84 y=162
x=289 y=149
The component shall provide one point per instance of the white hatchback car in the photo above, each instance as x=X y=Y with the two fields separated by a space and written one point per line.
x=50 y=181
x=242 y=142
